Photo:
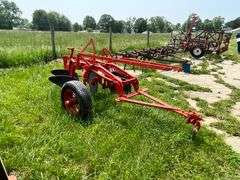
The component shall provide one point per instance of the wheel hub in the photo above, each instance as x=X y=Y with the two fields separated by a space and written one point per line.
x=70 y=102
x=197 y=51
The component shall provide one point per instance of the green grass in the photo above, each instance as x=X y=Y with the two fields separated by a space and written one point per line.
x=38 y=140
x=202 y=68
x=232 y=54
x=222 y=110
x=26 y=48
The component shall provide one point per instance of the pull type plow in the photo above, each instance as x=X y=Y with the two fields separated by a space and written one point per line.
x=101 y=69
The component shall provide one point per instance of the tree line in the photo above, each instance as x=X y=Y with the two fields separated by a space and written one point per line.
x=10 y=16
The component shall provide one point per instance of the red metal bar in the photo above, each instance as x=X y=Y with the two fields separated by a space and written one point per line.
x=192 y=117
x=134 y=62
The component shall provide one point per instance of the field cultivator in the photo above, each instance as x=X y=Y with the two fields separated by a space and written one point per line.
x=198 y=43
x=102 y=69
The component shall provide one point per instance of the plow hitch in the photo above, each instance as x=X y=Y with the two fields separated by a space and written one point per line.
x=192 y=118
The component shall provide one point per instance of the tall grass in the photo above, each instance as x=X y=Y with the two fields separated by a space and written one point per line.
x=25 y=48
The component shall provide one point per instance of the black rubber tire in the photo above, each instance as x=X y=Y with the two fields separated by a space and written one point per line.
x=83 y=99
x=197 y=52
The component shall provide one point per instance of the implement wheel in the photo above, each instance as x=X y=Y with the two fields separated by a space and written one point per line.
x=197 y=52
x=76 y=100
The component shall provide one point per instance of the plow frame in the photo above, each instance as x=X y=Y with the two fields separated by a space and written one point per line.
x=109 y=75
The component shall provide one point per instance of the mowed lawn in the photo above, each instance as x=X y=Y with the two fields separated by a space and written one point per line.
x=38 y=140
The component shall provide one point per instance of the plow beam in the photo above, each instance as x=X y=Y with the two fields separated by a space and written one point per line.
x=192 y=117
x=129 y=61
x=147 y=64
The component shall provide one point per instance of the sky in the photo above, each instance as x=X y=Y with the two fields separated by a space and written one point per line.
x=173 y=10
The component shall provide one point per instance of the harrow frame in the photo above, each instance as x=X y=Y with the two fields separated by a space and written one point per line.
x=208 y=42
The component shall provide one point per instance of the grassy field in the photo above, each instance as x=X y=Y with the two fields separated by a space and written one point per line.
x=26 y=48
x=38 y=140
x=20 y=48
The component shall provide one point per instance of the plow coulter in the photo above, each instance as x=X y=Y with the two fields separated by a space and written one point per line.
x=102 y=69
x=198 y=43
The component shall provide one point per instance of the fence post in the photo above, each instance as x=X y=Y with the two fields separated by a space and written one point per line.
x=54 y=53
x=110 y=38
x=148 y=38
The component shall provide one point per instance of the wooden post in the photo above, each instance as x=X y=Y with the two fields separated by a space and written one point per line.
x=148 y=38
x=110 y=38
x=54 y=53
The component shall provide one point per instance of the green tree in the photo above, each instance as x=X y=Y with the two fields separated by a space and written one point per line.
x=53 y=19
x=168 y=27
x=140 y=25
x=156 y=24
x=76 y=27
x=64 y=24
x=9 y=15
x=23 y=23
x=129 y=25
x=118 y=26
x=187 y=23
x=105 y=22
x=218 y=23
x=177 y=27
x=40 y=20
x=208 y=25
x=89 y=22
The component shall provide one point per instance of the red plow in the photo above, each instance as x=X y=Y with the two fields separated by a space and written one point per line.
x=102 y=69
